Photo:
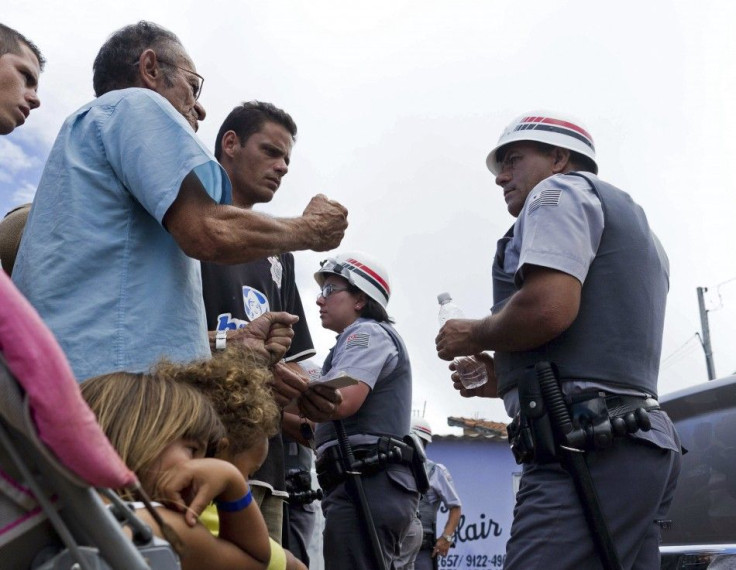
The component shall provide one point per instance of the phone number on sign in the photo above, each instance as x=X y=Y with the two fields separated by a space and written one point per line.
x=471 y=561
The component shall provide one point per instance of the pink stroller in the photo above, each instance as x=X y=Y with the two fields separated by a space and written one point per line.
x=54 y=459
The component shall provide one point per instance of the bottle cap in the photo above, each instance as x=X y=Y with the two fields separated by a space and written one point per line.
x=442 y=298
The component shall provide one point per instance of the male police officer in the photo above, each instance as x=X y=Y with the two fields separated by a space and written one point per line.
x=579 y=280
x=441 y=490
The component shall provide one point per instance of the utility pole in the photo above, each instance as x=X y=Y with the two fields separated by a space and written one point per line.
x=705 y=341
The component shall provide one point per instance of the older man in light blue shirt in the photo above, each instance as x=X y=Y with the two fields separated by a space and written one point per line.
x=110 y=281
x=129 y=200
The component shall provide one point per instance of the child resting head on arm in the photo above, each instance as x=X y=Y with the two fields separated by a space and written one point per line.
x=238 y=383
x=167 y=431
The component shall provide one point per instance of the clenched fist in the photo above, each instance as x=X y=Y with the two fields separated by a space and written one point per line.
x=326 y=222
x=269 y=335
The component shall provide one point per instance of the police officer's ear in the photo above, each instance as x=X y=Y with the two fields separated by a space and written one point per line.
x=360 y=302
x=561 y=160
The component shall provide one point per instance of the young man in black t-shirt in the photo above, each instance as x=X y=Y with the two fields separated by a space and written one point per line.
x=254 y=146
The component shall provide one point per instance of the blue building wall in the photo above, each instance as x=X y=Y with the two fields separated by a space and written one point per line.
x=483 y=472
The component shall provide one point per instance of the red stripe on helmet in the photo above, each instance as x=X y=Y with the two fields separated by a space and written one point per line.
x=566 y=124
x=372 y=273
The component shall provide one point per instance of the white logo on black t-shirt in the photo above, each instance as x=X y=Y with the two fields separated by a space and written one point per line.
x=255 y=303
x=277 y=270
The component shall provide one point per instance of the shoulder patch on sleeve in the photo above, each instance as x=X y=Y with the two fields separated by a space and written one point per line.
x=357 y=340
x=546 y=197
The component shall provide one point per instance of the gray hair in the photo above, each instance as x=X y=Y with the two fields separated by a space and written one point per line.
x=114 y=66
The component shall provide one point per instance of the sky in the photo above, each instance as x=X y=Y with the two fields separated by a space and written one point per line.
x=399 y=102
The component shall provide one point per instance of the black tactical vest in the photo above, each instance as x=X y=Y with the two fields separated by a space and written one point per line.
x=387 y=408
x=616 y=338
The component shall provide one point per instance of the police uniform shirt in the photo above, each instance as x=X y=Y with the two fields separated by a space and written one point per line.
x=366 y=352
x=560 y=227
x=441 y=488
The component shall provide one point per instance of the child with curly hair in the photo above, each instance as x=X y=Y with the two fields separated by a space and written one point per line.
x=238 y=384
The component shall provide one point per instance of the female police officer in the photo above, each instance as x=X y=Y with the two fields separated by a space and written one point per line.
x=352 y=302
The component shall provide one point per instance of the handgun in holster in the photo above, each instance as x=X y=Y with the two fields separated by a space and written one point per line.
x=331 y=470
x=530 y=434
x=418 y=462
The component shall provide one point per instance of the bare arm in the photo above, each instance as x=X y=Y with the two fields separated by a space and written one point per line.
x=293 y=563
x=441 y=545
x=453 y=520
x=544 y=307
x=201 y=549
x=209 y=231
x=352 y=399
x=243 y=539
x=269 y=336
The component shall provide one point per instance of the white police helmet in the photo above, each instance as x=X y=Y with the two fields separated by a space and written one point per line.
x=360 y=270
x=546 y=127
x=422 y=429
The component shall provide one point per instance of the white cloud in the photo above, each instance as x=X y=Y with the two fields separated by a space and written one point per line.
x=14 y=159
x=24 y=194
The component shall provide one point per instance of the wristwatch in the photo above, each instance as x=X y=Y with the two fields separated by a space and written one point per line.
x=221 y=339
x=448 y=538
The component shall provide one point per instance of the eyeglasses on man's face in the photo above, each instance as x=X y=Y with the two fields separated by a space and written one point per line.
x=329 y=289
x=196 y=80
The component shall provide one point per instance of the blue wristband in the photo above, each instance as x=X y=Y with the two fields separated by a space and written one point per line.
x=235 y=506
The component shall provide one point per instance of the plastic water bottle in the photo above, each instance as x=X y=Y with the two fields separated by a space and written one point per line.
x=448 y=309
x=472 y=372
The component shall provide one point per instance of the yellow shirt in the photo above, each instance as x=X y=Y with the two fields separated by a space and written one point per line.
x=210 y=520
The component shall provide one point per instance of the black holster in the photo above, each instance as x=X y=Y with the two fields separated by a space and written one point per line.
x=371 y=459
x=595 y=418
x=530 y=433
